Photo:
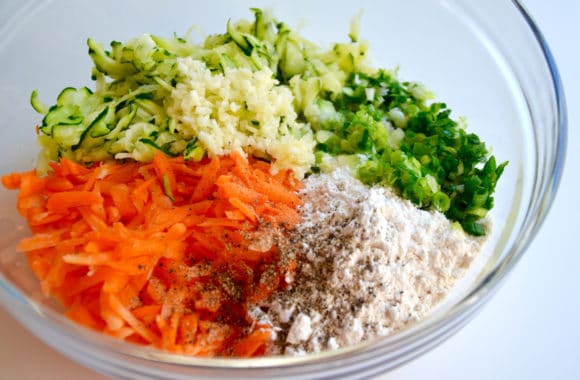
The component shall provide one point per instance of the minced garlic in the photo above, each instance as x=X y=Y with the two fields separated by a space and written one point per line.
x=241 y=111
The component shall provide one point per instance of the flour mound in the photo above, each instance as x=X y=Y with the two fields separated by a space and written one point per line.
x=370 y=264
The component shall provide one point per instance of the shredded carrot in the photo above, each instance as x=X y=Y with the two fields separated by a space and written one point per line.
x=163 y=253
x=251 y=344
x=62 y=201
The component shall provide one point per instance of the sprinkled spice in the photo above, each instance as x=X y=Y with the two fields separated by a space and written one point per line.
x=369 y=264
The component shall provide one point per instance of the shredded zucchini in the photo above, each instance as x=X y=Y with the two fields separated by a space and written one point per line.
x=323 y=108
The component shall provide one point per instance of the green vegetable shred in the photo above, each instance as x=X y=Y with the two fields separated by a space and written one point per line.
x=386 y=131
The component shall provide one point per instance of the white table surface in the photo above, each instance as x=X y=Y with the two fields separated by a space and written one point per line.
x=529 y=330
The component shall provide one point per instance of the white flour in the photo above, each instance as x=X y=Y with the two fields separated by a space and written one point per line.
x=370 y=264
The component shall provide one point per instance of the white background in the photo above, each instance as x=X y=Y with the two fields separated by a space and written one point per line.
x=529 y=330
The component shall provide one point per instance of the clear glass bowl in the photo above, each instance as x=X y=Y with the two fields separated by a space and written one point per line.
x=486 y=59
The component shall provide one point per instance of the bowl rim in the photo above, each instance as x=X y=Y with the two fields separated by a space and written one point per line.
x=464 y=309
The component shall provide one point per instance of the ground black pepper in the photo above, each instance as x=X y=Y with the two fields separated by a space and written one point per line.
x=370 y=263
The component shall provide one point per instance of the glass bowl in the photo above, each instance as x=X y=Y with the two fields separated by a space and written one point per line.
x=487 y=60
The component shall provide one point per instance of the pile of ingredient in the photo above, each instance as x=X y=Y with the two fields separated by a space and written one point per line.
x=253 y=194
x=168 y=253
x=388 y=264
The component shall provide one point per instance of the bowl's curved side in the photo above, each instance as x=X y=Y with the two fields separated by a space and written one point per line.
x=535 y=83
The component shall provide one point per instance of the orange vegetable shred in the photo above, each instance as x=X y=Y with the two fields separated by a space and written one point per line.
x=169 y=253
